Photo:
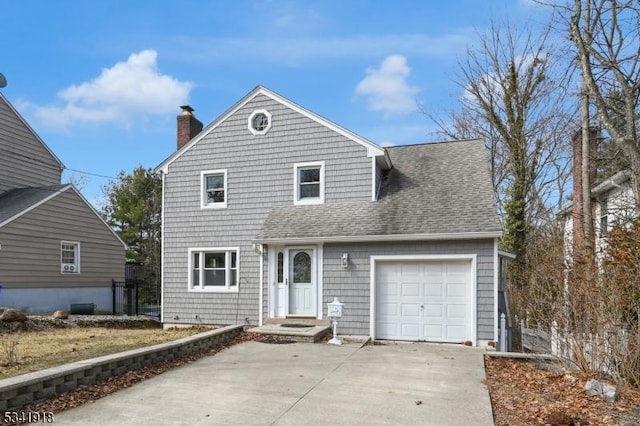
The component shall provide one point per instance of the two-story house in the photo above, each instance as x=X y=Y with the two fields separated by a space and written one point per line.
x=55 y=249
x=271 y=211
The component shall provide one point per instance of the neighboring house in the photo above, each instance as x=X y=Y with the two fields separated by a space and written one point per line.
x=612 y=200
x=612 y=203
x=55 y=249
x=271 y=211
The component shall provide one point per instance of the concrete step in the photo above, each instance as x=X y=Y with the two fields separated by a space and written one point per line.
x=296 y=331
x=298 y=320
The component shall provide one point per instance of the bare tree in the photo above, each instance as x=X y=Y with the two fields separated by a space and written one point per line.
x=606 y=35
x=515 y=96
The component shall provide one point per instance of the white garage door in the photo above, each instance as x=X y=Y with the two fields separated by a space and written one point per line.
x=423 y=300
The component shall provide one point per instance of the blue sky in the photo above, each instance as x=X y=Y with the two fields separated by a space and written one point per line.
x=101 y=82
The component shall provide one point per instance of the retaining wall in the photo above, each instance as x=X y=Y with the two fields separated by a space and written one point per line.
x=17 y=392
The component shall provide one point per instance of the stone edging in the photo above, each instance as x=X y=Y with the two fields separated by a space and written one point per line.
x=521 y=355
x=17 y=392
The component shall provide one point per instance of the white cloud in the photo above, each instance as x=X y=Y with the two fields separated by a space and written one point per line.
x=133 y=88
x=386 y=88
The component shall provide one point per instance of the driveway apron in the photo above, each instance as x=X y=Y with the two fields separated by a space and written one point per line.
x=307 y=384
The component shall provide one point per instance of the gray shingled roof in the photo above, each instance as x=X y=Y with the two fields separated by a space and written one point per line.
x=438 y=188
x=17 y=201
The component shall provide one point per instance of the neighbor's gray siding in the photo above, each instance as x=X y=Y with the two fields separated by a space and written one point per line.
x=352 y=286
x=259 y=176
x=30 y=255
x=24 y=160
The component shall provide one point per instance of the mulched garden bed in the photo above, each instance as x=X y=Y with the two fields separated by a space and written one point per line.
x=535 y=393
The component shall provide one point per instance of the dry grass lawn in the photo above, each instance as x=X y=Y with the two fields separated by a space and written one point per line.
x=27 y=351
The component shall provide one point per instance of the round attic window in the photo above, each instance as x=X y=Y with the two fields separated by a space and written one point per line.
x=260 y=122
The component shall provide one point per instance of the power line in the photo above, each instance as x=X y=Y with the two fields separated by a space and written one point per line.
x=38 y=162
x=89 y=173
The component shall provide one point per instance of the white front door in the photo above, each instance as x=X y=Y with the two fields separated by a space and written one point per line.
x=301 y=273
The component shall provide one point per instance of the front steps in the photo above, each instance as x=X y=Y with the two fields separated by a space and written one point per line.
x=295 y=329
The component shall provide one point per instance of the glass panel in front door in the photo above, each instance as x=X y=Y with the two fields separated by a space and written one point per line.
x=302 y=268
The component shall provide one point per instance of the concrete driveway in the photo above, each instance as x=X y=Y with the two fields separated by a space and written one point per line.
x=307 y=384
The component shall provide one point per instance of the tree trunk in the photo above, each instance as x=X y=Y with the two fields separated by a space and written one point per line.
x=588 y=243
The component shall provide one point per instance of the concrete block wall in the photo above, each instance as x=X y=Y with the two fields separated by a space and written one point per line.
x=17 y=392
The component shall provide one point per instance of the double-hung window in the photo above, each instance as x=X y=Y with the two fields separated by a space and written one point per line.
x=69 y=257
x=604 y=217
x=214 y=189
x=308 y=185
x=214 y=269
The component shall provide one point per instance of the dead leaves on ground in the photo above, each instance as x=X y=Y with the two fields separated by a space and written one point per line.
x=524 y=393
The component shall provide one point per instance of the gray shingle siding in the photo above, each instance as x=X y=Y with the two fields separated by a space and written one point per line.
x=433 y=192
x=36 y=214
x=352 y=286
x=24 y=159
x=25 y=247
x=259 y=176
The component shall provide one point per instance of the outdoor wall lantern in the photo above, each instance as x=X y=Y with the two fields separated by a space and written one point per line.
x=344 y=260
x=334 y=311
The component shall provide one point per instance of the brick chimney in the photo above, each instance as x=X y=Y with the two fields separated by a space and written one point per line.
x=188 y=126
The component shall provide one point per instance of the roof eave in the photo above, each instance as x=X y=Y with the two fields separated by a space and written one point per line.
x=98 y=215
x=613 y=182
x=34 y=205
x=383 y=238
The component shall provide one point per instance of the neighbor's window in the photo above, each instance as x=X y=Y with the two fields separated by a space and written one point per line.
x=604 y=217
x=69 y=257
x=309 y=183
x=214 y=269
x=214 y=189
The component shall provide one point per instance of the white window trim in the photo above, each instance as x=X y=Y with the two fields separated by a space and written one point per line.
x=250 y=122
x=228 y=288
x=296 y=184
x=77 y=257
x=203 y=197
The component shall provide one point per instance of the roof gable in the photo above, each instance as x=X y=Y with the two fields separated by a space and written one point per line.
x=18 y=202
x=9 y=115
x=373 y=150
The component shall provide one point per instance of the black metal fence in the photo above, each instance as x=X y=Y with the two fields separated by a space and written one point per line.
x=135 y=297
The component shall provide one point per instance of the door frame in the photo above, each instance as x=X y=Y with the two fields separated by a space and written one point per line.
x=473 y=320
x=273 y=285
x=287 y=278
x=316 y=275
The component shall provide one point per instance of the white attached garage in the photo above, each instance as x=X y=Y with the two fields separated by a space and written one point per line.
x=423 y=298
